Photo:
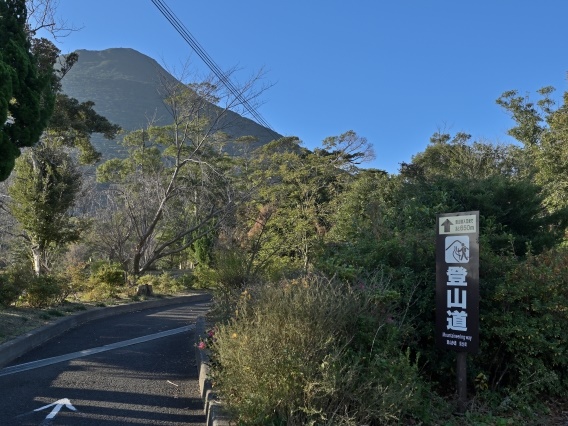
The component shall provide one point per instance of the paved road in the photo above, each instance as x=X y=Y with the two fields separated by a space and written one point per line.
x=151 y=380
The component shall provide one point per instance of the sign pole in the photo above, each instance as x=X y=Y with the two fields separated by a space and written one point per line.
x=457 y=291
x=461 y=373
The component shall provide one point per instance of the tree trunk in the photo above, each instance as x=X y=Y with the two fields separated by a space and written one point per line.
x=36 y=254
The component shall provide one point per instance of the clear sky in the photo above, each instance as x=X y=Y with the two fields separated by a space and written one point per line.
x=394 y=71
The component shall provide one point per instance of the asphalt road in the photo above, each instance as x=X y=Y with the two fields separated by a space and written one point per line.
x=120 y=370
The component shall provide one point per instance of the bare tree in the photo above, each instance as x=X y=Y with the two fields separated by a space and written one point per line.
x=176 y=185
x=42 y=15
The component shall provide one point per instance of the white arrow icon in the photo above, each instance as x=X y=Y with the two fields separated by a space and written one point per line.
x=56 y=407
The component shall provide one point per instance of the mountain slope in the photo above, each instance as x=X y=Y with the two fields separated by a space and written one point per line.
x=125 y=86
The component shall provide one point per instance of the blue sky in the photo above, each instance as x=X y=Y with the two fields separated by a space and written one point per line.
x=393 y=71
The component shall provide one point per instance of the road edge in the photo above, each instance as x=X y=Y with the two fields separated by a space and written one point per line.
x=17 y=347
x=213 y=408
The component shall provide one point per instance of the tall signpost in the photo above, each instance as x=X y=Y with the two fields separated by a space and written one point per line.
x=457 y=290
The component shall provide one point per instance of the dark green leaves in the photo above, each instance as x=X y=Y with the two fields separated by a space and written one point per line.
x=28 y=90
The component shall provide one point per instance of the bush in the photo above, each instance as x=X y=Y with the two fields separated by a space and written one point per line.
x=525 y=318
x=105 y=282
x=165 y=283
x=76 y=275
x=228 y=279
x=44 y=290
x=9 y=291
x=314 y=351
x=230 y=270
x=13 y=283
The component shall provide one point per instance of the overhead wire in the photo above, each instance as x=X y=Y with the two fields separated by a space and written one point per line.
x=200 y=51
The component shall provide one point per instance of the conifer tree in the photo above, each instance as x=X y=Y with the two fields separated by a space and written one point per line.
x=27 y=94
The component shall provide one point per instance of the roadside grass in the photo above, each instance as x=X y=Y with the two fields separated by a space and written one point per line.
x=17 y=321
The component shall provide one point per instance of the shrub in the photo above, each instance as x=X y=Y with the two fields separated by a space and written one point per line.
x=13 y=283
x=526 y=318
x=76 y=276
x=228 y=278
x=148 y=279
x=165 y=283
x=186 y=281
x=44 y=290
x=315 y=351
x=105 y=281
x=230 y=270
x=10 y=289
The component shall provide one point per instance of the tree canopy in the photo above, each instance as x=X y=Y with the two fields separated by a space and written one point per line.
x=41 y=196
x=27 y=94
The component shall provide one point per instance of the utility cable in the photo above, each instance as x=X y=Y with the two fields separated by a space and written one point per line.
x=200 y=51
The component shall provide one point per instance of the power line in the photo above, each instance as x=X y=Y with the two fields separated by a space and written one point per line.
x=188 y=37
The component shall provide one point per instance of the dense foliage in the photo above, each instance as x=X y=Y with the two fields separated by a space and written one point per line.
x=315 y=351
x=27 y=90
x=370 y=221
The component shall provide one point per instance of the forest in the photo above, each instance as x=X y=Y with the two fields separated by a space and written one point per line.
x=323 y=271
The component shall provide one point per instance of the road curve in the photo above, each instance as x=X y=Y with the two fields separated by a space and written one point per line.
x=129 y=368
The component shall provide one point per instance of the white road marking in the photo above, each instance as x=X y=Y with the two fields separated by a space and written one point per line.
x=67 y=357
x=56 y=407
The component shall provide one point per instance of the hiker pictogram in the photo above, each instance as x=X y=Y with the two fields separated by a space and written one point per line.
x=457 y=249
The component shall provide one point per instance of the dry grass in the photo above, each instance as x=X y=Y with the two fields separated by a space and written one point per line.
x=16 y=321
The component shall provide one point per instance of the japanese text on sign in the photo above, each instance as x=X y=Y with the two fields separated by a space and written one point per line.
x=457 y=263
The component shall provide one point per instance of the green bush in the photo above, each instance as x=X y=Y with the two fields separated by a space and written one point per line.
x=165 y=283
x=525 y=319
x=110 y=273
x=315 y=351
x=77 y=275
x=228 y=278
x=13 y=283
x=230 y=269
x=105 y=282
x=148 y=279
x=44 y=290
x=9 y=290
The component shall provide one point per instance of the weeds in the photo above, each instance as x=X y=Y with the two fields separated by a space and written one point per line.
x=316 y=351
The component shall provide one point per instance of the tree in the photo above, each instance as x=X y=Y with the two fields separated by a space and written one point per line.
x=44 y=190
x=28 y=93
x=458 y=157
x=552 y=159
x=497 y=180
x=72 y=125
x=289 y=215
x=529 y=119
x=542 y=129
x=48 y=179
x=175 y=185
x=8 y=151
x=347 y=150
x=387 y=223
x=111 y=232
x=42 y=15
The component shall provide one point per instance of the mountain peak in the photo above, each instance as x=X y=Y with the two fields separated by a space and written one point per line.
x=125 y=86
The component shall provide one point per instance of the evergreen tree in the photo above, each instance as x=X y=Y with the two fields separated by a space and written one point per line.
x=27 y=93
x=46 y=185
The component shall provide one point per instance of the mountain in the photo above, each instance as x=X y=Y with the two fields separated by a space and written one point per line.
x=125 y=86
